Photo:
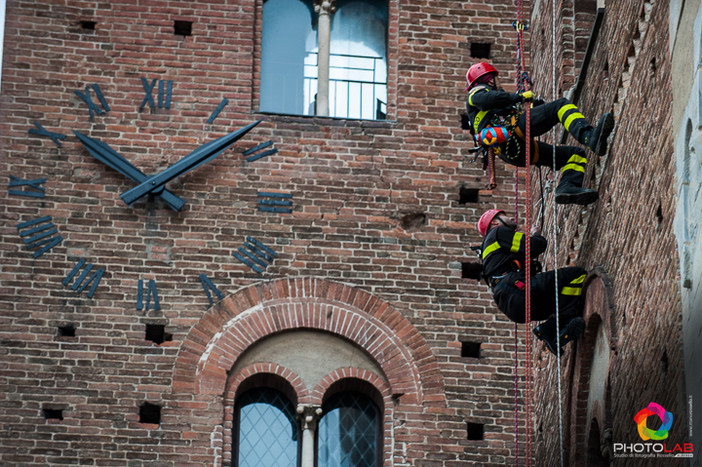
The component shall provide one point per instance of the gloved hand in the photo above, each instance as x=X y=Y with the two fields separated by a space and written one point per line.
x=527 y=96
x=537 y=102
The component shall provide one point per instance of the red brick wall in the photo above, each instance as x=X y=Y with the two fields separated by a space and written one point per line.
x=352 y=184
x=627 y=236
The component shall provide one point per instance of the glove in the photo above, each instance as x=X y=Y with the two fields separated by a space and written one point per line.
x=527 y=96
x=537 y=102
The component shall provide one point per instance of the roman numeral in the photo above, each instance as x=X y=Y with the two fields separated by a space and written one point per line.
x=148 y=89
x=35 y=190
x=151 y=292
x=274 y=202
x=41 y=233
x=208 y=285
x=254 y=154
x=217 y=110
x=41 y=131
x=92 y=108
x=81 y=283
x=255 y=253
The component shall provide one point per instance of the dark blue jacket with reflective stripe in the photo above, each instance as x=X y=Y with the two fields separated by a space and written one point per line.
x=484 y=104
x=502 y=246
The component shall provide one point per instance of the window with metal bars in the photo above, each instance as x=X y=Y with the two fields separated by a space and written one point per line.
x=355 y=71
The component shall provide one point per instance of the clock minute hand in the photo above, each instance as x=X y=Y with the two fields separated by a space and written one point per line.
x=201 y=155
x=108 y=156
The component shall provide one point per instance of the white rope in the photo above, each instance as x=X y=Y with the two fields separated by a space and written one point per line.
x=553 y=230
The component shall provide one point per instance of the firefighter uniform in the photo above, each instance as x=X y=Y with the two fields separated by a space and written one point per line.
x=503 y=257
x=489 y=108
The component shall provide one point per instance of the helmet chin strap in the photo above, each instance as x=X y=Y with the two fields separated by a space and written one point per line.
x=502 y=222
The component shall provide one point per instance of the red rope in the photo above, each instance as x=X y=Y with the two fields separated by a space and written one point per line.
x=492 y=183
x=527 y=247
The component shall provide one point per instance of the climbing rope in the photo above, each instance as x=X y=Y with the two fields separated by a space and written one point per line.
x=523 y=83
x=555 y=239
x=492 y=183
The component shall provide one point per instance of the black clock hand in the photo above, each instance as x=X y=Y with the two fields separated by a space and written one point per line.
x=201 y=155
x=108 y=156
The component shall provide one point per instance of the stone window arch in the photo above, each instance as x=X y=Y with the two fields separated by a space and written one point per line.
x=257 y=337
x=590 y=420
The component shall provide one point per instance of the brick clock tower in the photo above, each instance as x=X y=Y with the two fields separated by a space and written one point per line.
x=205 y=263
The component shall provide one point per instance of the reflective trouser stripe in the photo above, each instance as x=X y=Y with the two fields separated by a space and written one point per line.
x=579 y=279
x=574 y=291
x=569 y=120
x=565 y=109
x=574 y=115
x=576 y=163
x=576 y=167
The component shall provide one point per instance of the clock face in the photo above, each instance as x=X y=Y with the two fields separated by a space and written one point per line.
x=130 y=195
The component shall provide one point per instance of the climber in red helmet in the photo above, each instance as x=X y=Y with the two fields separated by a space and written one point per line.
x=502 y=254
x=496 y=121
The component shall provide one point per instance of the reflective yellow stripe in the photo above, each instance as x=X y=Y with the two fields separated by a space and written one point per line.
x=573 y=291
x=516 y=241
x=478 y=119
x=490 y=249
x=579 y=280
x=576 y=167
x=470 y=95
x=569 y=120
x=565 y=109
x=578 y=159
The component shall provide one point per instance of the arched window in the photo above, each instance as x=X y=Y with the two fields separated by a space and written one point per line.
x=266 y=429
x=348 y=432
x=357 y=74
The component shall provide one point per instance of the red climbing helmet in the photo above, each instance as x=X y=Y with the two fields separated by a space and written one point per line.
x=477 y=71
x=486 y=219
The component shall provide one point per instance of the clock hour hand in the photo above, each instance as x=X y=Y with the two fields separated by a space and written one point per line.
x=201 y=155
x=108 y=156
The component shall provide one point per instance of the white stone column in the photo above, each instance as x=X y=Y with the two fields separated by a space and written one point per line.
x=309 y=417
x=324 y=9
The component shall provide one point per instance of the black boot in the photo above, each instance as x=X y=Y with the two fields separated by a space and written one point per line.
x=596 y=139
x=546 y=332
x=572 y=330
x=569 y=193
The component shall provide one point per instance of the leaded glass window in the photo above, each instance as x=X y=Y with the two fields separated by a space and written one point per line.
x=267 y=430
x=348 y=432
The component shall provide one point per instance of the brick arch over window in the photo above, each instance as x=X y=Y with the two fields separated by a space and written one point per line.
x=229 y=328
x=590 y=398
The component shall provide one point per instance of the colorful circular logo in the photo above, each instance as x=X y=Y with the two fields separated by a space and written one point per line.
x=665 y=417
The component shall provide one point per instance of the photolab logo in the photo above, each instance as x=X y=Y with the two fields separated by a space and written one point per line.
x=653 y=411
x=642 y=417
